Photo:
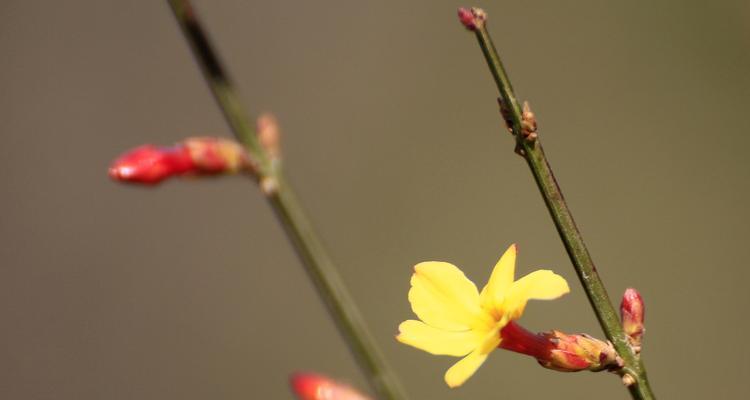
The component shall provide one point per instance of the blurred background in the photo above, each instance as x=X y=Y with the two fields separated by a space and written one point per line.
x=394 y=143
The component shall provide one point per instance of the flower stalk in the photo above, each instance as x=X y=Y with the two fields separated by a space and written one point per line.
x=560 y=351
x=522 y=124
x=263 y=149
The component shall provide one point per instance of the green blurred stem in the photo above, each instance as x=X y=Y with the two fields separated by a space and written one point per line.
x=316 y=261
x=534 y=154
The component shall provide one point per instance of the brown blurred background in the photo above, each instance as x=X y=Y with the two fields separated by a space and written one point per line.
x=393 y=140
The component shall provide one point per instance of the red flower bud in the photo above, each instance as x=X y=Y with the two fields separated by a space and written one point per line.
x=473 y=18
x=149 y=164
x=633 y=312
x=310 y=386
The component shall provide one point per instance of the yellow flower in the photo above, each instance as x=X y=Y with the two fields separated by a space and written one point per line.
x=457 y=320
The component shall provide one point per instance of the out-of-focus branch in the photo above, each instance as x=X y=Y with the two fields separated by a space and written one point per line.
x=308 y=246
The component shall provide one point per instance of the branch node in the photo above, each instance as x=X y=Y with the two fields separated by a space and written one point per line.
x=269 y=186
x=528 y=123
x=506 y=113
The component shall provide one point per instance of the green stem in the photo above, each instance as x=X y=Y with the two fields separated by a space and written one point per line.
x=534 y=154
x=334 y=293
x=309 y=248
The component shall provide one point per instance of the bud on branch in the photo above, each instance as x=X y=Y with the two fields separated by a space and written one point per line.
x=269 y=135
x=633 y=312
x=472 y=18
x=310 y=386
x=149 y=164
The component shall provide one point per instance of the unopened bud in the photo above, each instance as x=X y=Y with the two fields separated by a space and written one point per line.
x=528 y=123
x=528 y=116
x=149 y=164
x=310 y=386
x=632 y=312
x=579 y=352
x=473 y=18
x=269 y=135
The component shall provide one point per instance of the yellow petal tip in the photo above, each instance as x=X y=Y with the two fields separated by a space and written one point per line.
x=452 y=385
x=451 y=380
x=556 y=282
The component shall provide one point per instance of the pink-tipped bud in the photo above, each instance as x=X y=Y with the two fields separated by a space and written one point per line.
x=149 y=164
x=579 y=352
x=269 y=135
x=633 y=312
x=472 y=18
x=311 y=386
x=466 y=18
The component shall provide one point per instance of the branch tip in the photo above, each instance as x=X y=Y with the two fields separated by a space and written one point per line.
x=472 y=18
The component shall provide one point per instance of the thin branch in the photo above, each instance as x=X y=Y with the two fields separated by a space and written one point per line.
x=523 y=128
x=316 y=261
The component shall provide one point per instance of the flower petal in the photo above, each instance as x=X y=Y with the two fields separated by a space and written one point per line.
x=437 y=341
x=443 y=297
x=539 y=285
x=500 y=280
x=467 y=366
